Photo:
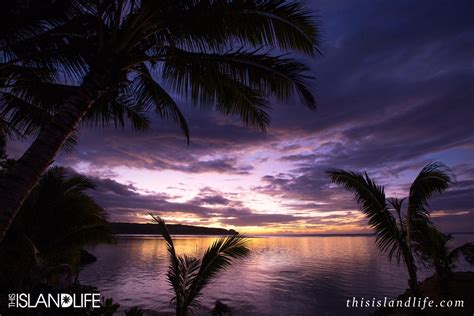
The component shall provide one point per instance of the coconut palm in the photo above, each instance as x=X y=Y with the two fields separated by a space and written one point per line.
x=58 y=219
x=396 y=231
x=189 y=276
x=125 y=58
x=433 y=248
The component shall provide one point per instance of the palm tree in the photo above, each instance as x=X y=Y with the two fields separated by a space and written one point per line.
x=432 y=246
x=397 y=232
x=129 y=57
x=189 y=276
x=57 y=220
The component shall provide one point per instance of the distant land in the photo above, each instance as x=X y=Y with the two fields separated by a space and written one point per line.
x=178 y=229
x=147 y=229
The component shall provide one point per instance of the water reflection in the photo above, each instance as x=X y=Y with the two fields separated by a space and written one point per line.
x=282 y=276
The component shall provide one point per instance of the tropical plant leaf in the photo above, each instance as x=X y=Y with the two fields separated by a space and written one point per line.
x=433 y=179
x=174 y=273
x=269 y=74
x=217 y=257
x=371 y=198
x=150 y=95
x=466 y=251
x=267 y=23
x=188 y=276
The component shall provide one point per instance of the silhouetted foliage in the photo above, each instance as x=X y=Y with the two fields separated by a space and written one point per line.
x=118 y=61
x=434 y=250
x=221 y=309
x=397 y=232
x=189 y=276
x=45 y=242
x=134 y=311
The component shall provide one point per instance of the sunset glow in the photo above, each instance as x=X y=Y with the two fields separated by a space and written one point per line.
x=388 y=116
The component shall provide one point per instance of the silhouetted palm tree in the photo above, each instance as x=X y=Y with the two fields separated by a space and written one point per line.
x=27 y=64
x=432 y=246
x=189 y=276
x=397 y=232
x=129 y=57
x=55 y=222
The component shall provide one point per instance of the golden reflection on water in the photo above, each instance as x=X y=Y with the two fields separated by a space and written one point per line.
x=329 y=249
x=282 y=275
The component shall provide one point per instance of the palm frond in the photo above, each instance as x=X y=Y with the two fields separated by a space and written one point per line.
x=189 y=268
x=60 y=217
x=151 y=95
x=237 y=83
x=188 y=276
x=174 y=274
x=269 y=74
x=397 y=205
x=428 y=243
x=31 y=103
x=433 y=179
x=287 y=25
x=118 y=111
x=78 y=183
x=217 y=257
x=371 y=198
x=466 y=250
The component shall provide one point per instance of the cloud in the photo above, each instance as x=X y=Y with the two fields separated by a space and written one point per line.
x=394 y=92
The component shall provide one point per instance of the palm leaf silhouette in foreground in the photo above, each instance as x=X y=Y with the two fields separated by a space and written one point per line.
x=130 y=59
x=189 y=276
x=57 y=220
x=433 y=248
x=397 y=235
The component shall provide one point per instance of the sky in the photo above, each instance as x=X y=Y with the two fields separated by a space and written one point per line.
x=395 y=89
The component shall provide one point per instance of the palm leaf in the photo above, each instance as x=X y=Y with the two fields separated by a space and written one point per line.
x=466 y=250
x=217 y=257
x=174 y=274
x=151 y=95
x=433 y=179
x=371 y=198
x=287 y=25
x=188 y=267
x=118 y=111
x=271 y=75
x=397 y=207
x=429 y=244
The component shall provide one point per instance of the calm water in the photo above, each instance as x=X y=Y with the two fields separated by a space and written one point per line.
x=283 y=275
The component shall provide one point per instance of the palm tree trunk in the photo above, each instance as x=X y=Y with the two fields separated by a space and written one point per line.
x=413 y=279
x=443 y=276
x=181 y=311
x=18 y=181
x=409 y=260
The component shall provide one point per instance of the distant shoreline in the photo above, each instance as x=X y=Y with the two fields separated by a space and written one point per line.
x=178 y=229
x=261 y=236
x=149 y=229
